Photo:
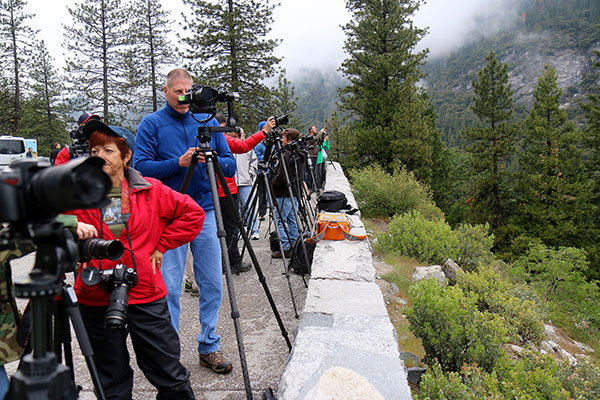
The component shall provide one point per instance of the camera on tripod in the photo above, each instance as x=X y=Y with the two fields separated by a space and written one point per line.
x=283 y=120
x=117 y=281
x=203 y=99
x=79 y=143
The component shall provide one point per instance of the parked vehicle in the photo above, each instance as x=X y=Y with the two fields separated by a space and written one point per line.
x=12 y=148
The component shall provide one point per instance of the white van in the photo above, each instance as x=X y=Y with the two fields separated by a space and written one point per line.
x=12 y=148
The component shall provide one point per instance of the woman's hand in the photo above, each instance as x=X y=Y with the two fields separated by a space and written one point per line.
x=86 y=231
x=156 y=260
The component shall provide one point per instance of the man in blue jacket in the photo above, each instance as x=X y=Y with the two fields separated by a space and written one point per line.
x=165 y=142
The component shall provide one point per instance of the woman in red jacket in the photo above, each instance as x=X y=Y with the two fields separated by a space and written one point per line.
x=149 y=219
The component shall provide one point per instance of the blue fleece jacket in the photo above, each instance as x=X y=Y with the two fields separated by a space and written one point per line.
x=163 y=137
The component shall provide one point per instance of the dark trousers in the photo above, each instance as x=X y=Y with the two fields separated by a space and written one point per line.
x=156 y=347
x=231 y=229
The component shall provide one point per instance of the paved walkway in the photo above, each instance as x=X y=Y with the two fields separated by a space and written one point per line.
x=265 y=348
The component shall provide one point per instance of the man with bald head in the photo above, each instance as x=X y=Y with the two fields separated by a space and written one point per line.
x=165 y=142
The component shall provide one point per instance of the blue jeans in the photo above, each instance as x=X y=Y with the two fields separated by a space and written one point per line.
x=288 y=217
x=4 y=383
x=243 y=193
x=206 y=250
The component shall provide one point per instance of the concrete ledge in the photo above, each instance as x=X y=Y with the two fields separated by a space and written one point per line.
x=344 y=323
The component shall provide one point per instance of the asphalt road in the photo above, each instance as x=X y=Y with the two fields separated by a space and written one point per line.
x=265 y=348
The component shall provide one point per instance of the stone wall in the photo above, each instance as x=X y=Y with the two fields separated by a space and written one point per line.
x=345 y=345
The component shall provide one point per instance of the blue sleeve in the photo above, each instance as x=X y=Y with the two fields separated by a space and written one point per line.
x=259 y=150
x=224 y=155
x=145 y=154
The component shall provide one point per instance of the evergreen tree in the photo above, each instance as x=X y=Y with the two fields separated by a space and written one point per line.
x=491 y=142
x=225 y=46
x=284 y=102
x=41 y=117
x=391 y=121
x=553 y=200
x=97 y=39
x=151 y=50
x=15 y=46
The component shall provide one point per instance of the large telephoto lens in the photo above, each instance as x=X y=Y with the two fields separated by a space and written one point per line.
x=80 y=183
x=93 y=249
x=116 y=313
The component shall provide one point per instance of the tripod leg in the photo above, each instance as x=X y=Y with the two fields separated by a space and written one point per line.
x=253 y=257
x=82 y=337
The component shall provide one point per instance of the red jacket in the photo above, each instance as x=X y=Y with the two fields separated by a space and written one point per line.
x=63 y=156
x=239 y=146
x=162 y=219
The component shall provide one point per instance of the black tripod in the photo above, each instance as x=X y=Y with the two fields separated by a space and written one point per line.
x=40 y=374
x=204 y=134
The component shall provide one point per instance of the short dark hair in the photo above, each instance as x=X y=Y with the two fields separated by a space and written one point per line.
x=221 y=118
x=291 y=134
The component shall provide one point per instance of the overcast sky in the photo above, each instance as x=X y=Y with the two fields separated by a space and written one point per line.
x=310 y=29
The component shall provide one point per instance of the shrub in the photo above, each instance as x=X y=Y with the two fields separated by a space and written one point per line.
x=496 y=294
x=475 y=246
x=434 y=241
x=380 y=194
x=413 y=235
x=452 y=329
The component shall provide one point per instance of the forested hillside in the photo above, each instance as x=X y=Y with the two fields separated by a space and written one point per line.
x=559 y=33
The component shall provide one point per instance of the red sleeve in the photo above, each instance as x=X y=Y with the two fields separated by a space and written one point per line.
x=239 y=146
x=62 y=157
x=185 y=217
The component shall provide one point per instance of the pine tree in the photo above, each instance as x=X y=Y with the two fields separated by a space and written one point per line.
x=491 y=142
x=553 y=197
x=97 y=39
x=225 y=46
x=41 y=117
x=284 y=102
x=383 y=69
x=15 y=44
x=150 y=51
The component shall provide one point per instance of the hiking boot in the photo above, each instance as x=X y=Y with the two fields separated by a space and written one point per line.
x=190 y=288
x=216 y=362
x=277 y=254
x=239 y=268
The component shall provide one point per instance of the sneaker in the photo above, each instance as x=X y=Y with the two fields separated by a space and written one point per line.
x=190 y=288
x=255 y=236
x=242 y=267
x=216 y=362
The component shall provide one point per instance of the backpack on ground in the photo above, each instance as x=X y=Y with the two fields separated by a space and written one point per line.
x=334 y=226
x=298 y=260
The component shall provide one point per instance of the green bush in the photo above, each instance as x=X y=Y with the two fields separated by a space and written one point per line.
x=531 y=377
x=475 y=246
x=496 y=294
x=558 y=275
x=452 y=329
x=416 y=236
x=380 y=194
x=434 y=241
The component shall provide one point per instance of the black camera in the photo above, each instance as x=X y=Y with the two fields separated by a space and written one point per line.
x=117 y=281
x=79 y=143
x=203 y=99
x=283 y=120
x=30 y=191
x=94 y=248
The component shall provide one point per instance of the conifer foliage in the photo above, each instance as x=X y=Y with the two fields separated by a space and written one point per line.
x=15 y=46
x=225 y=45
x=491 y=142
x=97 y=39
x=383 y=68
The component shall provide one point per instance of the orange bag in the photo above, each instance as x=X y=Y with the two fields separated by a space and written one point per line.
x=334 y=226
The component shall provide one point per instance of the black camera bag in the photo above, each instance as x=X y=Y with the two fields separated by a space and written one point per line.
x=333 y=201
x=298 y=260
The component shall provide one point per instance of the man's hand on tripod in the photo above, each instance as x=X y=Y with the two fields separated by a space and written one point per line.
x=186 y=159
